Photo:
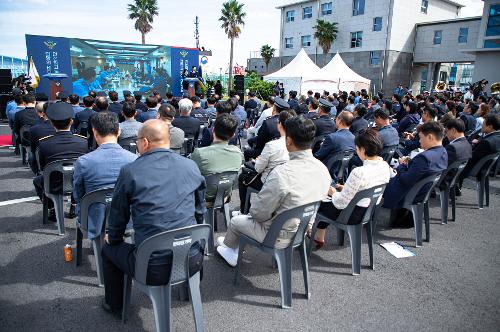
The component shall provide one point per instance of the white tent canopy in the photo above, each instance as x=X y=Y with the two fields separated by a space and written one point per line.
x=347 y=79
x=300 y=69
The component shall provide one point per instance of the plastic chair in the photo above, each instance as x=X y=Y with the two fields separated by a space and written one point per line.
x=420 y=210
x=354 y=231
x=447 y=190
x=25 y=143
x=388 y=152
x=129 y=143
x=480 y=173
x=65 y=167
x=100 y=196
x=343 y=158
x=179 y=242
x=250 y=191
x=223 y=182
x=284 y=256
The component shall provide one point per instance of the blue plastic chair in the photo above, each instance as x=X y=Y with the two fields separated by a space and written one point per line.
x=283 y=256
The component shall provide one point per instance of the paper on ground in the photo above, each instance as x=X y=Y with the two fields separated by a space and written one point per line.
x=397 y=250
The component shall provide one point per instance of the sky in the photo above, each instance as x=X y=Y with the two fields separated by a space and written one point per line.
x=107 y=20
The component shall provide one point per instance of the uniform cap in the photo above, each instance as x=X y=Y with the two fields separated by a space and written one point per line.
x=324 y=103
x=281 y=104
x=60 y=111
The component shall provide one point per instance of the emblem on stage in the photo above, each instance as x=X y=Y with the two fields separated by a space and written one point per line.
x=50 y=44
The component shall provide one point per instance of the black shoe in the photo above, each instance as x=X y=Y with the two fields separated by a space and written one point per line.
x=115 y=312
x=71 y=214
x=52 y=215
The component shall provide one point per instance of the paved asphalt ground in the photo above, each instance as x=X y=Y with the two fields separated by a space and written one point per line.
x=452 y=284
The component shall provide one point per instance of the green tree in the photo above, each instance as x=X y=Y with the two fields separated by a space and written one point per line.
x=143 y=11
x=255 y=83
x=267 y=53
x=325 y=33
x=232 y=19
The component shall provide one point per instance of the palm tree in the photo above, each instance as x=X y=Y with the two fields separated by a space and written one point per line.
x=326 y=33
x=143 y=12
x=232 y=20
x=267 y=53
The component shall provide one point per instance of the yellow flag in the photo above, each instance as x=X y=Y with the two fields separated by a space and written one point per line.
x=33 y=73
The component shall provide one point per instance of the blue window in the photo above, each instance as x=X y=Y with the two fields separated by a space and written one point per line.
x=438 y=35
x=356 y=39
x=326 y=8
x=290 y=16
x=306 y=41
x=307 y=12
x=289 y=42
x=492 y=43
x=358 y=7
x=462 y=35
x=423 y=6
x=493 y=26
x=377 y=24
x=375 y=58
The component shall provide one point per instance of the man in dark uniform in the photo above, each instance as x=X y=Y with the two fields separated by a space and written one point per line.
x=83 y=117
x=292 y=100
x=62 y=145
x=324 y=124
x=312 y=109
x=268 y=131
x=115 y=106
x=41 y=129
x=27 y=116
x=139 y=105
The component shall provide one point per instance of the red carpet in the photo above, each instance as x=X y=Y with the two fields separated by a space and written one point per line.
x=5 y=140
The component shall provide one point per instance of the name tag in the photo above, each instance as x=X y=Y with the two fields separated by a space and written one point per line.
x=182 y=242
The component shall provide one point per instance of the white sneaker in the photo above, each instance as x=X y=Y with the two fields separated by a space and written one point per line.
x=235 y=213
x=220 y=241
x=229 y=255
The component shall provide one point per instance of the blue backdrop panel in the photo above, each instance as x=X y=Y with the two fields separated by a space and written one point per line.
x=50 y=55
x=182 y=58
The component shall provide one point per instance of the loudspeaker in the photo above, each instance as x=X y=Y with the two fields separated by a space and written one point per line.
x=239 y=87
x=5 y=73
x=4 y=98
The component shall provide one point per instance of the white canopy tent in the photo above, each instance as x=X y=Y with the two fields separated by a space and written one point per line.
x=337 y=71
x=301 y=69
x=302 y=74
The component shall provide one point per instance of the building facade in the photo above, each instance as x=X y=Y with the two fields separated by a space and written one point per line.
x=376 y=38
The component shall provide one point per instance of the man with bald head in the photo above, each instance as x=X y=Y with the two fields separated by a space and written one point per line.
x=171 y=196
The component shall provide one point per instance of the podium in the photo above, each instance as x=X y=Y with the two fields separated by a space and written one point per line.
x=192 y=85
x=55 y=83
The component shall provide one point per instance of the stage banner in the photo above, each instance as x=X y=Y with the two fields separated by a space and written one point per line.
x=51 y=55
x=182 y=59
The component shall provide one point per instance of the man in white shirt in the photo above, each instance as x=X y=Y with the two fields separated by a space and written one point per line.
x=252 y=131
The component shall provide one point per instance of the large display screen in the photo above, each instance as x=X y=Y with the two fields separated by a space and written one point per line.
x=96 y=65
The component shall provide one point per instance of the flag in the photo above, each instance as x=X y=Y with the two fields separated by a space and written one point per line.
x=33 y=74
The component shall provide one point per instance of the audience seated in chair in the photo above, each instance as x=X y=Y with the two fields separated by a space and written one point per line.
x=488 y=144
x=274 y=154
x=62 y=145
x=130 y=127
x=433 y=160
x=166 y=113
x=169 y=196
x=219 y=157
x=459 y=149
x=187 y=123
x=100 y=168
x=411 y=140
x=374 y=172
x=301 y=180
x=42 y=128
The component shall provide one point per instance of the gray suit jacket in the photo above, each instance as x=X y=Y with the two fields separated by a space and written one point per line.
x=129 y=128
x=95 y=170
